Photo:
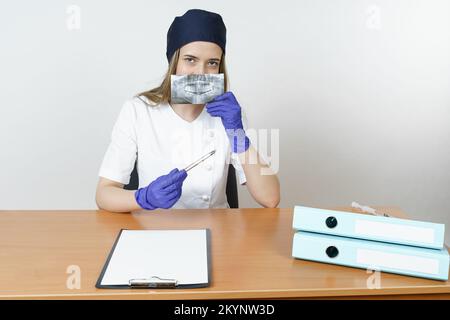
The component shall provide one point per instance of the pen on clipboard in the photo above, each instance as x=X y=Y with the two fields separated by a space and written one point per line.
x=194 y=164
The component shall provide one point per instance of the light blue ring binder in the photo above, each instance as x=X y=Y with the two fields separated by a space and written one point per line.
x=393 y=258
x=369 y=227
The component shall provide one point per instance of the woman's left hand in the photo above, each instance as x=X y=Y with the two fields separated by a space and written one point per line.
x=228 y=109
x=265 y=188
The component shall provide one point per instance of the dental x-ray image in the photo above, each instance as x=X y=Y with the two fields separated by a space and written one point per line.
x=196 y=88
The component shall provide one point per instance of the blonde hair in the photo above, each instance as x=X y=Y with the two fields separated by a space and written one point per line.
x=162 y=94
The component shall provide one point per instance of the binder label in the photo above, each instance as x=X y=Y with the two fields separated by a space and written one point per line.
x=380 y=259
x=395 y=231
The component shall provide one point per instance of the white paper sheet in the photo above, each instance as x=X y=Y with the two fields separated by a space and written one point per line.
x=168 y=254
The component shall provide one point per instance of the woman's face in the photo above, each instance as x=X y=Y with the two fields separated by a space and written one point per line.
x=199 y=57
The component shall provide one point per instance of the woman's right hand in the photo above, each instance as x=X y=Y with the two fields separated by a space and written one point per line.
x=163 y=192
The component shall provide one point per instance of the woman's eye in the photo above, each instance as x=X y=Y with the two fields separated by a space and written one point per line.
x=189 y=60
x=213 y=63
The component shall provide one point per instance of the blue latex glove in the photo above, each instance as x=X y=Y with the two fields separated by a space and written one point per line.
x=228 y=109
x=162 y=192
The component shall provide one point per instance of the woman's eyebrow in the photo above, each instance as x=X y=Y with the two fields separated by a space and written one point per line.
x=190 y=56
x=194 y=57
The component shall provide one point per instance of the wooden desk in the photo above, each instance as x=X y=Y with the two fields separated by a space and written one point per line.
x=251 y=257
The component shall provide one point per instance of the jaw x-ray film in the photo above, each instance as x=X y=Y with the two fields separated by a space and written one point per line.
x=196 y=88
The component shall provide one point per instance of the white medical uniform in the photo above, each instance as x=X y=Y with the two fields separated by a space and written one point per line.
x=161 y=141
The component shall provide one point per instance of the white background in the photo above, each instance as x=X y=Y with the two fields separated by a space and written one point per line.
x=358 y=89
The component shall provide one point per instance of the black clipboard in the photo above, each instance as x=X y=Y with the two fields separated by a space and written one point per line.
x=156 y=284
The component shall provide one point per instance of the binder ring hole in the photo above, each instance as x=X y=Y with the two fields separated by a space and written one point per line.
x=331 y=222
x=332 y=251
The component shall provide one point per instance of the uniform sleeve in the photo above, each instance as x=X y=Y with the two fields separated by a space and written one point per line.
x=235 y=158
x=121 y=154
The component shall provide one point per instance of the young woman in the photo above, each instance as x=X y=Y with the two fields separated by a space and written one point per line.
x=163 y=136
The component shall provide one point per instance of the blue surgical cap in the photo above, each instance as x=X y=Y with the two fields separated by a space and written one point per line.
x=195 y=25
